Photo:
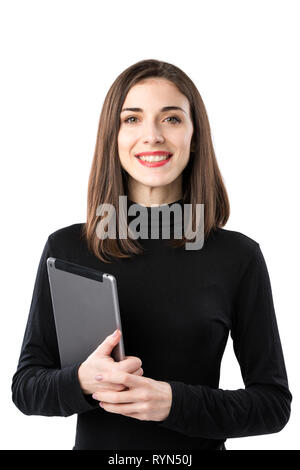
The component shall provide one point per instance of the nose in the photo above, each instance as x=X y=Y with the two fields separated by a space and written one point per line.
x=152 y=134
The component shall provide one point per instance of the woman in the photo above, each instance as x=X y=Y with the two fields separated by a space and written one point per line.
x=177 y=305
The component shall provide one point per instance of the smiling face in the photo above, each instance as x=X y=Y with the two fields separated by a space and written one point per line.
x=151 y=128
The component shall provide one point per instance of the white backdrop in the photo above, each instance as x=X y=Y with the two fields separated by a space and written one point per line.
x=58 y=60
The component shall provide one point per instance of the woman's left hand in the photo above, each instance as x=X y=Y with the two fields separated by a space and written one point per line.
x=146 y=399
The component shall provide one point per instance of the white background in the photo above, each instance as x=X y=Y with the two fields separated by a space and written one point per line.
x=58 y=60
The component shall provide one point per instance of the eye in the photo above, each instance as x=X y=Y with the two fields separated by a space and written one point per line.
x=177 y=120
x=127 y=119
x=174 y=117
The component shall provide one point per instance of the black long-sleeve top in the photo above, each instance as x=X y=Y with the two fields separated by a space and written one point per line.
x=177 y=309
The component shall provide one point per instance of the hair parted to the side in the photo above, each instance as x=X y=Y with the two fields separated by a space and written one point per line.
x=201 y=180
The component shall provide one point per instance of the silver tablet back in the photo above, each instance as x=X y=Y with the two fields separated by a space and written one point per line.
x=86 y=310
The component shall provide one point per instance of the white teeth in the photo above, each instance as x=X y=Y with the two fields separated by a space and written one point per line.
x=154 y=158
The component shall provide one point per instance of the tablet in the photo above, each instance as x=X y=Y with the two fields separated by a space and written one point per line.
x=86 y=310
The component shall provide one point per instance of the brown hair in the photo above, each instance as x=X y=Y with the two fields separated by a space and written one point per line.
x=201 y=179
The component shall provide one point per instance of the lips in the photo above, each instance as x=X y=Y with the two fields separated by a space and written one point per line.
x=163 y=160
x=157 y=152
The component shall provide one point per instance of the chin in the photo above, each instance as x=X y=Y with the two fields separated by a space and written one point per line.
x=154 y=182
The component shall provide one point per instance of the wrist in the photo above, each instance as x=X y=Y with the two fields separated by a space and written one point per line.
x=167 y=400
x=81 y=375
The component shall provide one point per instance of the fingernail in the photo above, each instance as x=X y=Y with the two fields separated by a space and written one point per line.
x=99 y=377
x=94 y=396
x=116 y=332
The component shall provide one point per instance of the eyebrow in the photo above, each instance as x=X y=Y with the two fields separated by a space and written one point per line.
x=165 y=108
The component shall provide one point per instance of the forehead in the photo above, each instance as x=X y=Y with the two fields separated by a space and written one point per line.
x=154 y=92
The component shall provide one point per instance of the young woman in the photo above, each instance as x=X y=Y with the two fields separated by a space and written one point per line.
x=177 y=305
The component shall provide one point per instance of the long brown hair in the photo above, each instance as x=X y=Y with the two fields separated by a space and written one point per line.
x=201 y=179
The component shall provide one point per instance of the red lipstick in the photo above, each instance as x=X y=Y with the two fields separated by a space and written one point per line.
x=157 y=152
x=154 y=164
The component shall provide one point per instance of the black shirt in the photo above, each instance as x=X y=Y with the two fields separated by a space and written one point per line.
x=177 y=309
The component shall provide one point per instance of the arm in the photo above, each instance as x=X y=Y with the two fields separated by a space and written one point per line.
x=39 y=386
x=263 y=407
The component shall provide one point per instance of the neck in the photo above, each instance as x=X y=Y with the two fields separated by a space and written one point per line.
x=154 y=196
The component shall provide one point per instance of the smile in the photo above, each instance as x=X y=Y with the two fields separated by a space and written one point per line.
x=154 y=160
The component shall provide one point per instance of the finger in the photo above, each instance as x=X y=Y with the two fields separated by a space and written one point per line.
x=134 y=390
x=110 y=386
x=106 y=347
x=138 y=372
x=130 y=409
x=130 y=357
x=130 y=365
x=127 y=396
x=120 y=377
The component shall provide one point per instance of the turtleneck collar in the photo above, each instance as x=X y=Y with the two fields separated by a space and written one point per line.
x=130 y=203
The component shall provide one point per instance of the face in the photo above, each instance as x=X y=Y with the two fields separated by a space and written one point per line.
x=151 y=129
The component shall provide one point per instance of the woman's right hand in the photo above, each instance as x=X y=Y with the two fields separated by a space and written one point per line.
x=100 y=361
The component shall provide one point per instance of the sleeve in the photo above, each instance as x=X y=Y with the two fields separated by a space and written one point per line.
x=263 y=406
x=39 y=385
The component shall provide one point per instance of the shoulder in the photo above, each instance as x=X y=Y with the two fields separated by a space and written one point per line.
x=232 y=237
x=66 y=233
x=67 y=236
x=236 y=244
x=240 y=253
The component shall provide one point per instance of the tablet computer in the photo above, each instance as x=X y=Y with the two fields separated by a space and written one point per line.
x=86 y=310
